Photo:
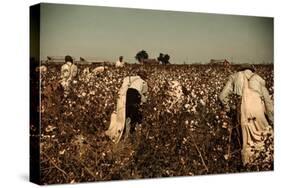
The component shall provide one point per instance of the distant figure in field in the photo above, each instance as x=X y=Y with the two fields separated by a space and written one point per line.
x=120 y=62
x=42 y=69
x=253 y=109
x=127 y=115
x=68 y=73
x=99 y=70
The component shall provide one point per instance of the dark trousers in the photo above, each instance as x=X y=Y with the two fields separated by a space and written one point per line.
x=133 y=101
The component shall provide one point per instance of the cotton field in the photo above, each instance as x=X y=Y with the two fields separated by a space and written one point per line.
x=182 y=134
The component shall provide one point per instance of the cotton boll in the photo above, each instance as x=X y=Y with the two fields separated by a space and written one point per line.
x=202 y=102
x=224 y=125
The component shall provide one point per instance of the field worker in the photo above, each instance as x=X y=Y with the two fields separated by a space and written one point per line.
x=42 y=69
x=254 y=103
x=120 y=62
x=99 y=70
x=132 y=95
x=86 y=75
x=68 y=72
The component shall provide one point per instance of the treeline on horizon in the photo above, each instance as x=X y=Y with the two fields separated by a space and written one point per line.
x=44 y=61
x=143 y=57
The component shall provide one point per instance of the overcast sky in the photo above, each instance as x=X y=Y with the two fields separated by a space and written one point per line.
x=106 y=33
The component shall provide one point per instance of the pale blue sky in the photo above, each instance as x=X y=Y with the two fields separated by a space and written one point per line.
x=106 y=33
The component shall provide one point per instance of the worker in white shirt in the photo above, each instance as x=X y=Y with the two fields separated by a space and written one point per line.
x=253 y=106
x=120 y=62
x=68 y=73
x=132 y=95
x=99 y=70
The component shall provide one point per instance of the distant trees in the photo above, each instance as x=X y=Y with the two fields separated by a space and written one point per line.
x=160 y=58
x=164 y=59
x=141 y=56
